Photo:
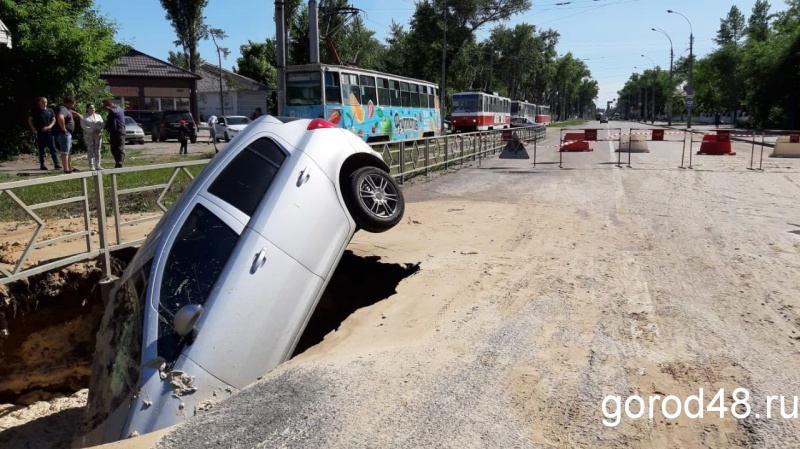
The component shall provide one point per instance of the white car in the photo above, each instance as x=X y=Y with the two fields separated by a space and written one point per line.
x=230 y=125
x=133 y=131
x=222 y=289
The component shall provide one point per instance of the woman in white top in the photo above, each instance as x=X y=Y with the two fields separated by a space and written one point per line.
x=92 y=124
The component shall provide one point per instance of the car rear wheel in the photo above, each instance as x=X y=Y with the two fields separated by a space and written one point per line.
x=374 y=199
x=227 y=138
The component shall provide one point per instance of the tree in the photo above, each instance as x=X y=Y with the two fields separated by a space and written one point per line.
x=758 y=23
x=60 y=47
x=731 y=28
x=187 y=20
x=258 y=62
x=180 y=59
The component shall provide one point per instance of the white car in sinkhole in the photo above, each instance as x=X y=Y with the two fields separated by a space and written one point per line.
x=222 y=289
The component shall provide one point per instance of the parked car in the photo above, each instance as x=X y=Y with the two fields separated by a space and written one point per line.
x=230 y=125
x=521 y=122
x=220 y=292
x=170 y=121
x=604 y=119
x=145 y=119
x=133 y=131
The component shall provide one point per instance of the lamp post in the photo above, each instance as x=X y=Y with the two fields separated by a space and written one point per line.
x=671 y=87
x=645 y=94
x=653 y=88
x=690 y=90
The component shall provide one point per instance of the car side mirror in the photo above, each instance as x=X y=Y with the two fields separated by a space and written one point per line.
x=186 y=319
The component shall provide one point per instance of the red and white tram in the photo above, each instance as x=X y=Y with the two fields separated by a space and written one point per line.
x=479 y=111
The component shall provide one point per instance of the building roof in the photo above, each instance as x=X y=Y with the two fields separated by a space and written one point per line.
x=230 y=80
x=5 y=35
x=139 y=65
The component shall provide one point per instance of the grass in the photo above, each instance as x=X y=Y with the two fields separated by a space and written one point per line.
x=139 y=202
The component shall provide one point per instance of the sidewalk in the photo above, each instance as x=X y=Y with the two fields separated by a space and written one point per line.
x=28 y=164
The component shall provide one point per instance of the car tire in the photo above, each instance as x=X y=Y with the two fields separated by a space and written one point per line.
x=154 y=137
x=374 y=199
x=227 y=138
x=193 y=138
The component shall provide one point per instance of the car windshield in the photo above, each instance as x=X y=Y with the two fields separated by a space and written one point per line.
x=129 y=121
x=237 y=120
x=118 y=354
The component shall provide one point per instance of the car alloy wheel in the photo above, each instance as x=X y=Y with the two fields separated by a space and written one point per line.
x=374 y=199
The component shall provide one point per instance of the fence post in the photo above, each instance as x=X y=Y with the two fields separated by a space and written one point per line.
x=402 y=158
x=427 y=155
x=446 y=155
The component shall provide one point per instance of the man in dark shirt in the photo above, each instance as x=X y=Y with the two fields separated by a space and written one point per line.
x=65 y=126
x=115 y=125
x=41 y=121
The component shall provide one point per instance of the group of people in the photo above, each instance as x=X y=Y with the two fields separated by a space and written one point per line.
x=58 y=126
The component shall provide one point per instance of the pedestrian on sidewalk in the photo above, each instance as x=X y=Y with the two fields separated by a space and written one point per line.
x=41 y=120
x=65 y=127
x=183 y=137
x=92 y=125
x=115 y=125
x=212 y=129
x=717 y=119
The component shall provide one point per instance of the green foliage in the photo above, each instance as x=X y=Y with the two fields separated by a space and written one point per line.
x=257 y=62
x=187 y=20
x=60 y=48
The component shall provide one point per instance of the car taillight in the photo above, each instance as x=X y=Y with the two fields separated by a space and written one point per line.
x=163 y=125
x=319 y=123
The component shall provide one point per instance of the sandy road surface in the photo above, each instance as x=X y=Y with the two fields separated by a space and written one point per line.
x=543 y=290
x=540 y=292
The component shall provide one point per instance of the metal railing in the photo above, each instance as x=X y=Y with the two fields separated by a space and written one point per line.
x=99 y=204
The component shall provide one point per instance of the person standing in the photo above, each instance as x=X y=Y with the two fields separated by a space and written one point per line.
x=183 y=137
x=212 y=129
x=64 y=128
x=92 y=125
x=717 y=119
x=115 y=125
x=256 y=114
x=41 y=121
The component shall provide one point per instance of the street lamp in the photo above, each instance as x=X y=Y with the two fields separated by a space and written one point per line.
x=671 y=88
x=690 y=90
x=645 y=91
x=652 y=106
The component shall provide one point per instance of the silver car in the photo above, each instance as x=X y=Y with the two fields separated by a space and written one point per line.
x=133 y=131
x=225 y=283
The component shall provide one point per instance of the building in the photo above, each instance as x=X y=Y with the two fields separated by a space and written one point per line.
x=139 y=81
x=241 y=95
x=5 y=36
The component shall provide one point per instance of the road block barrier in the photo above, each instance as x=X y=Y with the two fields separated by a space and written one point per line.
x=787 y=145
x=577 y=141
x=633 y=143
x=717 y=143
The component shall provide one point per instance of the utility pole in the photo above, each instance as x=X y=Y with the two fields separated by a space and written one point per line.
x=690 y=88
x=219 y=60
x=443 y=87
x=280 y=63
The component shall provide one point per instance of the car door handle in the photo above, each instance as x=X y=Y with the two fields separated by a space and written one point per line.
x=304 y=177
x=260 y=260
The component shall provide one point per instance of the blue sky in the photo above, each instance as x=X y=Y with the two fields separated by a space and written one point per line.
x=610 y=35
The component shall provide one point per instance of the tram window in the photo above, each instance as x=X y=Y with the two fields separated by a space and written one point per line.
x=383 y=92
x=350 y=87
x=414 y=88
x=368 y=92
x=405 y=94
x=333 y=90
x=395 y=92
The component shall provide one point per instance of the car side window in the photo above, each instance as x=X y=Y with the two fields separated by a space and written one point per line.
x=245 y=180
x=195 y=260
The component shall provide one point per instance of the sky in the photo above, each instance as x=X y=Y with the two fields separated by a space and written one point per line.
x=609 y=35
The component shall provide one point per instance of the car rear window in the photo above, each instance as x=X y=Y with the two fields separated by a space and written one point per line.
x=247 y=177
x=195 y=260
x=177 y=117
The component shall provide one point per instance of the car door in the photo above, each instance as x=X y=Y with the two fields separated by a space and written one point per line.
x=303 y=215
